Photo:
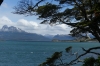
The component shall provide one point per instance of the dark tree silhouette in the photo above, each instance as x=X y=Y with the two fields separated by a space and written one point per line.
x=83 y=16
x=1 y=2
x=86 y=14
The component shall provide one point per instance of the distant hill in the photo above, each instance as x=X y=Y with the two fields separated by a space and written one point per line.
x=13 y=33
x=63 y=37
x=49 y=36
x=17 y=34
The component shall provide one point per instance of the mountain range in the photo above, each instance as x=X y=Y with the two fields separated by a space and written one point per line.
x=16 y=34
x=63 y=37
x=12 y=33
x=5 y=28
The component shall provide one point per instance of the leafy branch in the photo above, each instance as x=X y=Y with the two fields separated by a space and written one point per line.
x=57 y=56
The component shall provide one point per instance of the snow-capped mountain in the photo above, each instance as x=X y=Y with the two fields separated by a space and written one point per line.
x=12 y=33
x=5 y=28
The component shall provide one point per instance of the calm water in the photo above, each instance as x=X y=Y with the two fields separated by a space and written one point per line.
x=14 y=53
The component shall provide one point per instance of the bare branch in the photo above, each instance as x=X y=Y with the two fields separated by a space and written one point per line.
x=86 y=52
x=26 y=7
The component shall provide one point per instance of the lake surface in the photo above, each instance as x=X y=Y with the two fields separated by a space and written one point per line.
x=18 y=53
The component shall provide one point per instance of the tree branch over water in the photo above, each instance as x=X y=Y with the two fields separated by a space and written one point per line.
x=81 y=15
x=86 y=52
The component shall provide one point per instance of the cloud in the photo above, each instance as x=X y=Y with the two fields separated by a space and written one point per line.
x=27 y=23
x=35 y=27
x=5 y=21
x=4 y=5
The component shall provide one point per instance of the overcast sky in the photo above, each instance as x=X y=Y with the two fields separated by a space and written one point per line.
x=30 y=23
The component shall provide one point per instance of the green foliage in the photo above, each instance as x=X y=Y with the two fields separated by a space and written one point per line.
x=82 y=15
x=47 y=10
x=97 y=63
x=51 y=61
x=96 y=7
x=68 y=49
x=57 y=59
x=91 y=61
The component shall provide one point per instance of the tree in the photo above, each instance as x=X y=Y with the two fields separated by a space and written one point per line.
x=1 y=2
x=57 y=58
x=82 y=15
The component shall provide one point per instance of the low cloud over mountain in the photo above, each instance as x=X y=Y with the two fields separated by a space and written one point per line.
x=16 y=34
x=5 y=28
x=35 y=27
